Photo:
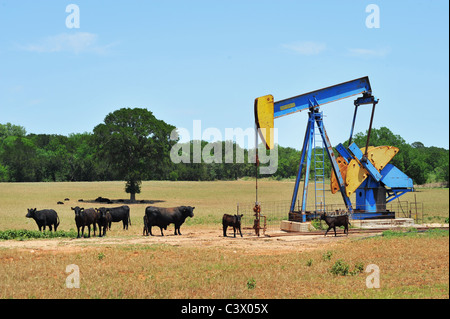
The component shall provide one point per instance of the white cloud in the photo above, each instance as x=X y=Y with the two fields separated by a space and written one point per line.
x=306 y=48
x=79 y=42
x=369 y=53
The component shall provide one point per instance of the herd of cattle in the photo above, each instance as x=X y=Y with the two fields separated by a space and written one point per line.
x=154 y=216
x=104 y=217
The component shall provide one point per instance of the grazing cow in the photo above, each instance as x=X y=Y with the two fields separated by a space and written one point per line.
x=162 y=217
x=232 y=221
x=145 y=230
x=85 y=217
x=118 y=214
x=104 y=220
x=335 y=221
x=43 y=218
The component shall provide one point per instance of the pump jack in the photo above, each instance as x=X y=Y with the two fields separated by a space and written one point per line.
x=365 y=171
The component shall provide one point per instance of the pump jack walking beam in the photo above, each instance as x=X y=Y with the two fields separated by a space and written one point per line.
x=266 y=110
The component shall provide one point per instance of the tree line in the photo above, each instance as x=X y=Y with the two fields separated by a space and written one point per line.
x=109 y=153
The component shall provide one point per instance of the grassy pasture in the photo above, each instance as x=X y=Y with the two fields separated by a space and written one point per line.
x=211 y=199
x=410 y=266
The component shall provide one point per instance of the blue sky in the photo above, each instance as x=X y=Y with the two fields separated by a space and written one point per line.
x=209 y=60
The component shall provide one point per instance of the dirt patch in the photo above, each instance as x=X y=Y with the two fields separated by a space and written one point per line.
x=202 y=237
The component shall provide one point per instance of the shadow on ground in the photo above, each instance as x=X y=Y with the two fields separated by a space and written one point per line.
x=120 y=201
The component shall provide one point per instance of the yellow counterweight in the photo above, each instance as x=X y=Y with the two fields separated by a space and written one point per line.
x=354 y=173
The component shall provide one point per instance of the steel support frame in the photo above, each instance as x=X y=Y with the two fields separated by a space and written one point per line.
x=396 y=193
x=314 y=116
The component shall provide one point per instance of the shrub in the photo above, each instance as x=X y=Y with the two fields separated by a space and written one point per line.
x=251 y=284
x=21 y=234
x=359 y=268
x=173 y=176
x=340 y=267
x=327 y=255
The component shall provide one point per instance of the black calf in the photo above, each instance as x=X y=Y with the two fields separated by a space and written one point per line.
x=336 y=221
x=232 y=221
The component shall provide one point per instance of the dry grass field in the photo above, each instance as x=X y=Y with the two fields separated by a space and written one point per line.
x=211 y=199
x=203 y=264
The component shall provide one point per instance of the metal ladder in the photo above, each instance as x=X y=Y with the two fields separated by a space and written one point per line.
x=319 y=171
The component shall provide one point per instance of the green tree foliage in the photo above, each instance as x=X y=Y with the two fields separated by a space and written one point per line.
x=20 y=156
x=135 y=144
x=288 y=161
x=9 y=129
x=82 y=164
x=4 y=173
x=225 y=160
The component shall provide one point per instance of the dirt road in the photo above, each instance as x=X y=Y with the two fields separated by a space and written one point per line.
x=202 y=237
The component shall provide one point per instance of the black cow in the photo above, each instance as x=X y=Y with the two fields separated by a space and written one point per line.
x=162 y=217
x=118 y=214
x=43 y=218
x=85 y=217
x=104 y=220
x=336 y=221
x=232 y=221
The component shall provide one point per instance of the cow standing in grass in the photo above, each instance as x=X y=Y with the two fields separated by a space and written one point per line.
x=336 y=221
x=85 y=217
x=162 y=217
x=232 y=221
x=118 y=214
x=104 y=220
x=43 y=218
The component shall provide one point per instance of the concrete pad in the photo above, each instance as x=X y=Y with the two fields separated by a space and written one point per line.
x=381 y=223
x=296 y=226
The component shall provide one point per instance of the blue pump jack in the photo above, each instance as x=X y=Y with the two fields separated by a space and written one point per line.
x=379 y=187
